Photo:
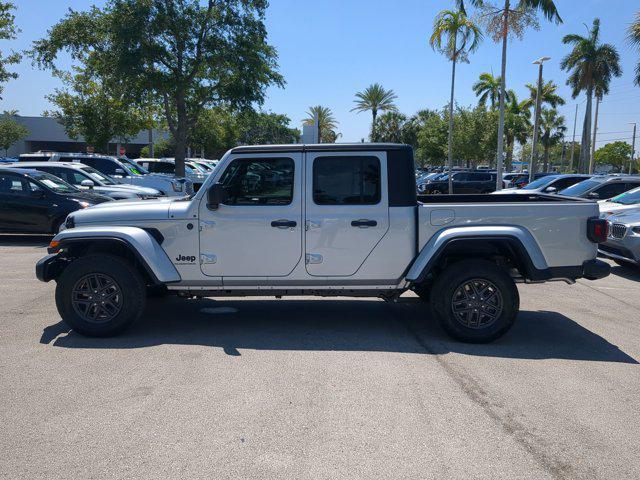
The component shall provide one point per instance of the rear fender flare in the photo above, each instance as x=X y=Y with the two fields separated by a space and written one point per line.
x=520 y=238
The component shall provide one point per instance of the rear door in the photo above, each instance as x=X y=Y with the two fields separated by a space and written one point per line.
x=346 y=210
x=24 y=206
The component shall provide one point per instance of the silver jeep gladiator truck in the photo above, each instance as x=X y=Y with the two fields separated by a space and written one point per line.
x=328 y=220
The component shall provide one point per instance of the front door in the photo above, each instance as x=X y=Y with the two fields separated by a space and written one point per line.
x=346 y=210
x=257 y=232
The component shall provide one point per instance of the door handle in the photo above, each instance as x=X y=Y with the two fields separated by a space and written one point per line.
x=284 y=223
x=363 y=223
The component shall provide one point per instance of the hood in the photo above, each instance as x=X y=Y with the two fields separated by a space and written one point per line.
x=136 y=210
x=629 y=217
x=84 y=196
x=130 y=188
x=509 y=190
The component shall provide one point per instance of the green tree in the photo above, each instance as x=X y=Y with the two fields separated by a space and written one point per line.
x=188 y=54
x=327 y=123
x=616 y=154
x=591 y=65
x=488 y=88
x=390 y=127
x=454 y=35
x=10 y=131
x=548 y=94
x=376 y=99
x=552 y=128
x=517 y=125
x=633 y=37
x=95 y=111
x=502 y=21
x=8 y=31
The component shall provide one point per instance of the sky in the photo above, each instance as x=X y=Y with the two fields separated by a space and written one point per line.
x=331 y=49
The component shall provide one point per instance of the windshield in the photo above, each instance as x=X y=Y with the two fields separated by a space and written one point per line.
x=628 y=198
x=133 y=167
x=199 y=167
x=540 y=182
x=101 y=178
x=54 y=183
x=580 y=188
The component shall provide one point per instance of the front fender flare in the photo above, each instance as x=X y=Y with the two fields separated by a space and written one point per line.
x=436 y=245
x=142 y=244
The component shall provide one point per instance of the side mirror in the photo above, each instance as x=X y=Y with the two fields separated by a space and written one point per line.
x=551 y=190
x=87 y=183
x=216 y=195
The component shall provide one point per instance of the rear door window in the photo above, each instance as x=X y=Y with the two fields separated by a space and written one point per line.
x=346 y=180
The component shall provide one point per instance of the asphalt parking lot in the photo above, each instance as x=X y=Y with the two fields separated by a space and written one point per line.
x=319 y=388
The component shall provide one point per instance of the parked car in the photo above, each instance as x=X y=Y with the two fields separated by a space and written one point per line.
x=623 y=241
x=324 y=220
x=547 y=184
x=122 y=169
x=463 y=182
x=523 y=179
x=84 y=177
x=507 y=178
x=602 y=187
x=629 y=200
x=167 y=166
x=38 y=202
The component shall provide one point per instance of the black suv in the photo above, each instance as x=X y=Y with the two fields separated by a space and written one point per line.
x=37 y=202
x=463 y=182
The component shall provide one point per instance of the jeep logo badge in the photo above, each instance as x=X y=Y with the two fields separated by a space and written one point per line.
x=185 y=258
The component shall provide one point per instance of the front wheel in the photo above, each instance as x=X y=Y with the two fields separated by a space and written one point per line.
x=475 y=301
x=100 y=295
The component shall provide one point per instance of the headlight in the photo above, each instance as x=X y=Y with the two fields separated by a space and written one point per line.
x=177 y=186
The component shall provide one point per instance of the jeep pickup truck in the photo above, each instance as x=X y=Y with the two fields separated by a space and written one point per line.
x=327 y=220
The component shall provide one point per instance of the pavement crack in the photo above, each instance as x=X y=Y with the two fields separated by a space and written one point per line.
x=496 y=411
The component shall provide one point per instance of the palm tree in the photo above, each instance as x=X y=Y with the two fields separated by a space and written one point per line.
x=454 y=35
x=634 y=39
x=326 y=122
x=516 y=125
x=376 y=99
x=390 y=127
x=488 y=88
x=548 y=94
x=512 y=18
x=591 y=65
x=552 y=128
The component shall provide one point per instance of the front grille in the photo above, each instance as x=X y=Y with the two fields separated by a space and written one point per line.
x=618 y=230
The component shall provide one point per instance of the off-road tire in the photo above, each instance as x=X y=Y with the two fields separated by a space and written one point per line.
x=131 y=297
x=445 y=293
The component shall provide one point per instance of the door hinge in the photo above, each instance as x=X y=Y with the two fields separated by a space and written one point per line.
x=208 y=258
x=204 y=224
x=313 y=258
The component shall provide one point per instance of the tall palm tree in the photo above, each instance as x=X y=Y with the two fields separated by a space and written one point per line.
x=513 y=17
x=326 y=122
x=552 y=128
x=591 y=65
x=376 y=99
x=455 y=36
x=548 y=94
x=634 y=39
x=488 y=88
x=517 y=125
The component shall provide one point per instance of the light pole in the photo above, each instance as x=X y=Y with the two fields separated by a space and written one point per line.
x=633 y=148
x=534 y=145
x=573 y=142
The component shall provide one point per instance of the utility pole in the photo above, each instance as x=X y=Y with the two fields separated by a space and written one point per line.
x=593 y=143
x=564 y=149
x=573 y=142
x=633 y=149
x=534 y=145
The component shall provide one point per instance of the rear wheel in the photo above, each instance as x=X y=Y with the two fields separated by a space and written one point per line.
x=475 y=301
x=100 y=295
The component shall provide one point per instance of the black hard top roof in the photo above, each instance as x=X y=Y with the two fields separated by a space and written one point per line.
x=321 y=147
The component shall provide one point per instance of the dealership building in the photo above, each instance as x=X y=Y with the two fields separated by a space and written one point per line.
x=46 y=133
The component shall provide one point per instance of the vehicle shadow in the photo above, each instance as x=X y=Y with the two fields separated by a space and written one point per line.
x=629 y=273
x=18 y=240
x=343 y=325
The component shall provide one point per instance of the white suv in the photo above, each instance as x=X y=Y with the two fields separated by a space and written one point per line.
x=122 y=169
